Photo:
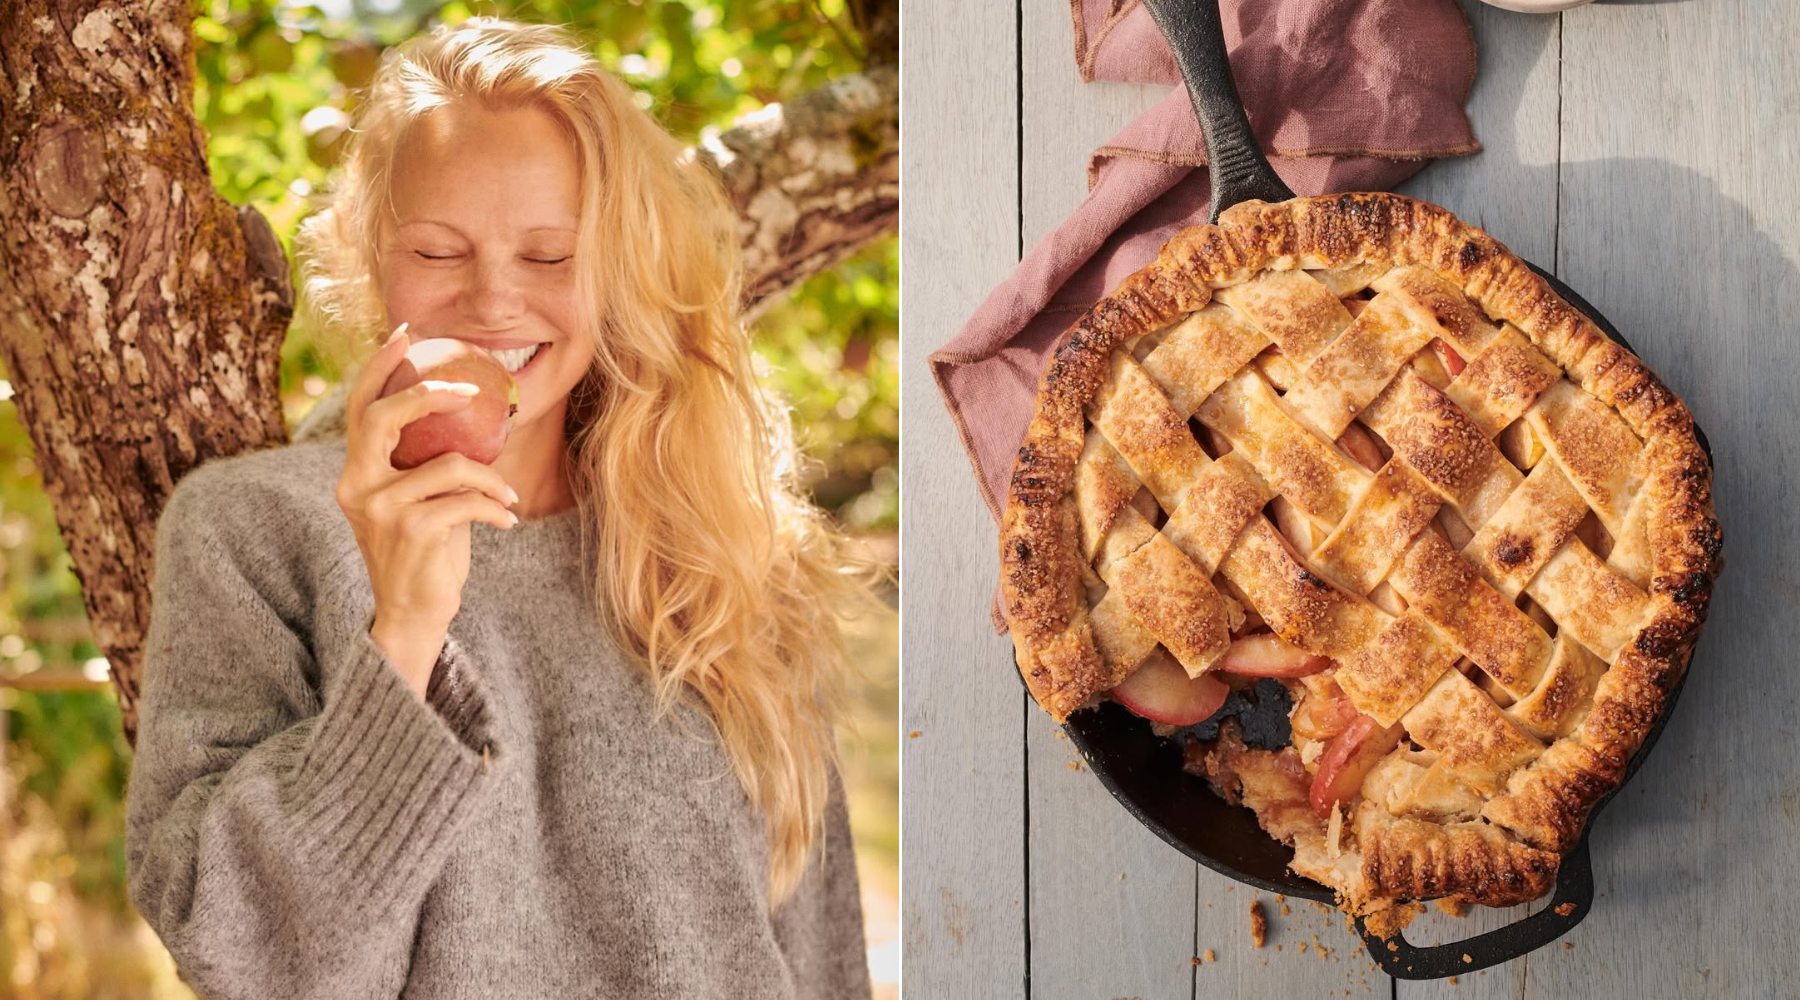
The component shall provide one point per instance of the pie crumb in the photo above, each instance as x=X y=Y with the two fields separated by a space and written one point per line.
x=1453 y=906
x=1284 y=910
x=915 y=734
x=1209 y=956
x=1074 y=765
x=1301 y=947
x=1565 y=909
x=1391 y=920
x=1568 y=945
x=1259 y=924
x=1452 y=980
x=1466 y=958
x=1194 y=961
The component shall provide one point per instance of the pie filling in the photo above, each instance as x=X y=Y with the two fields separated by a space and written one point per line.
x=1275 y=731
x=1276 y=711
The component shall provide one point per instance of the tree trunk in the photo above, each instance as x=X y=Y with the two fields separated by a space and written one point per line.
x=142 y=315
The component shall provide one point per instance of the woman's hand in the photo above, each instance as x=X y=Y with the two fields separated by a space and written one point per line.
x=413 y=526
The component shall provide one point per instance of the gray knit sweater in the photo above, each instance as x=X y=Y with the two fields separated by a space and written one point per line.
x=300 y=824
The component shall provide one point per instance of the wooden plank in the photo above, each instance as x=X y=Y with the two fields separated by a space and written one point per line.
x=1679 y=222
x=962 y=839
x=1508 y=189
x=1309 y=950
x=1064 y=119
x=1111 y=904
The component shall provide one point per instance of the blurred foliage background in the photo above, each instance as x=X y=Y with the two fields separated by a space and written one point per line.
x=276 y=88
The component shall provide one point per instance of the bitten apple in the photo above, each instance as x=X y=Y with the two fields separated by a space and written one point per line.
x=477 y=430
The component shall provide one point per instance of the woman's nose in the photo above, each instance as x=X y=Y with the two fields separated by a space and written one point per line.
x=492 y=297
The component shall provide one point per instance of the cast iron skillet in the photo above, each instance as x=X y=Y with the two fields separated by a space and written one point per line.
x=1144 y=772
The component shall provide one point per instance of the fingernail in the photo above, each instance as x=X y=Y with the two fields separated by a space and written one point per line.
x=399 y=333
x=514 y=517
x=512 y=495
x=464 y=389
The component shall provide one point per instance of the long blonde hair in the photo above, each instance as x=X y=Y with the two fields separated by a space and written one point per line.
x=711 y=568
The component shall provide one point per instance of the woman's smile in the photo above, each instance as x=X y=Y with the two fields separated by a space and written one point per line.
x=482 y=247
x=517 y=358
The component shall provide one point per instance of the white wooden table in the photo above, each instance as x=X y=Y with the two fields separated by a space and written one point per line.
x=1648 y=152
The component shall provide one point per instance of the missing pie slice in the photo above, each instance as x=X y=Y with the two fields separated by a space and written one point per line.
x=1356 y=446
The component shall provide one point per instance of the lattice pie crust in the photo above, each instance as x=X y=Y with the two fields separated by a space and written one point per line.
x=1268 y=336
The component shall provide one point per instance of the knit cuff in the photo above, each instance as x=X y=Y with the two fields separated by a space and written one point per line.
x=384 y=778
x=456 y=696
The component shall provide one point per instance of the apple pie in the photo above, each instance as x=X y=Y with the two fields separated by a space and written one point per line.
x=1354 y=446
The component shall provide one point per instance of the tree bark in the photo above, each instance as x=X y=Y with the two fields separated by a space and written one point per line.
x=142 y=315
x=813 y=180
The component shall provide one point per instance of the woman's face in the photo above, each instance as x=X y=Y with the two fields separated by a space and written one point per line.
x=480 y=246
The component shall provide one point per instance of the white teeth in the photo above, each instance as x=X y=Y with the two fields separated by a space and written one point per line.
x=517 y=357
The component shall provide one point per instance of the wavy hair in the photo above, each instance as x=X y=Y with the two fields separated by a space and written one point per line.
x=711 y=568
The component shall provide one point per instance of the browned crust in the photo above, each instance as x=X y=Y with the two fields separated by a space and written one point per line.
x=1546 y=804
x=1416 y=859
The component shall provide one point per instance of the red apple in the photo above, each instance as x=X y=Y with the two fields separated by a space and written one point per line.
x=1266 y=655
x=477 y=430
x=1161 y=691
x=1348 y=759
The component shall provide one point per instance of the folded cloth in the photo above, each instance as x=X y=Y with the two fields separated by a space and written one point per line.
x=1344 y=95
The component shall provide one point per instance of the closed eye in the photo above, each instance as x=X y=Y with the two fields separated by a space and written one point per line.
x=427 y=256
x=538 y=260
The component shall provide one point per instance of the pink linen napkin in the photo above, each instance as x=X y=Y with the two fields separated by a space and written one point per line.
x=1344 y=95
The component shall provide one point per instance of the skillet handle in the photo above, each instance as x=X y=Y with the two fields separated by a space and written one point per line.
x=1574 y=898
x=1239 y=170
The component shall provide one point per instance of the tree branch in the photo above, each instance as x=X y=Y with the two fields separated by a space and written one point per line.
x=813 y=180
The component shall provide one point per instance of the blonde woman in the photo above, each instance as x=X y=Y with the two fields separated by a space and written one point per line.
x=556 y=727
